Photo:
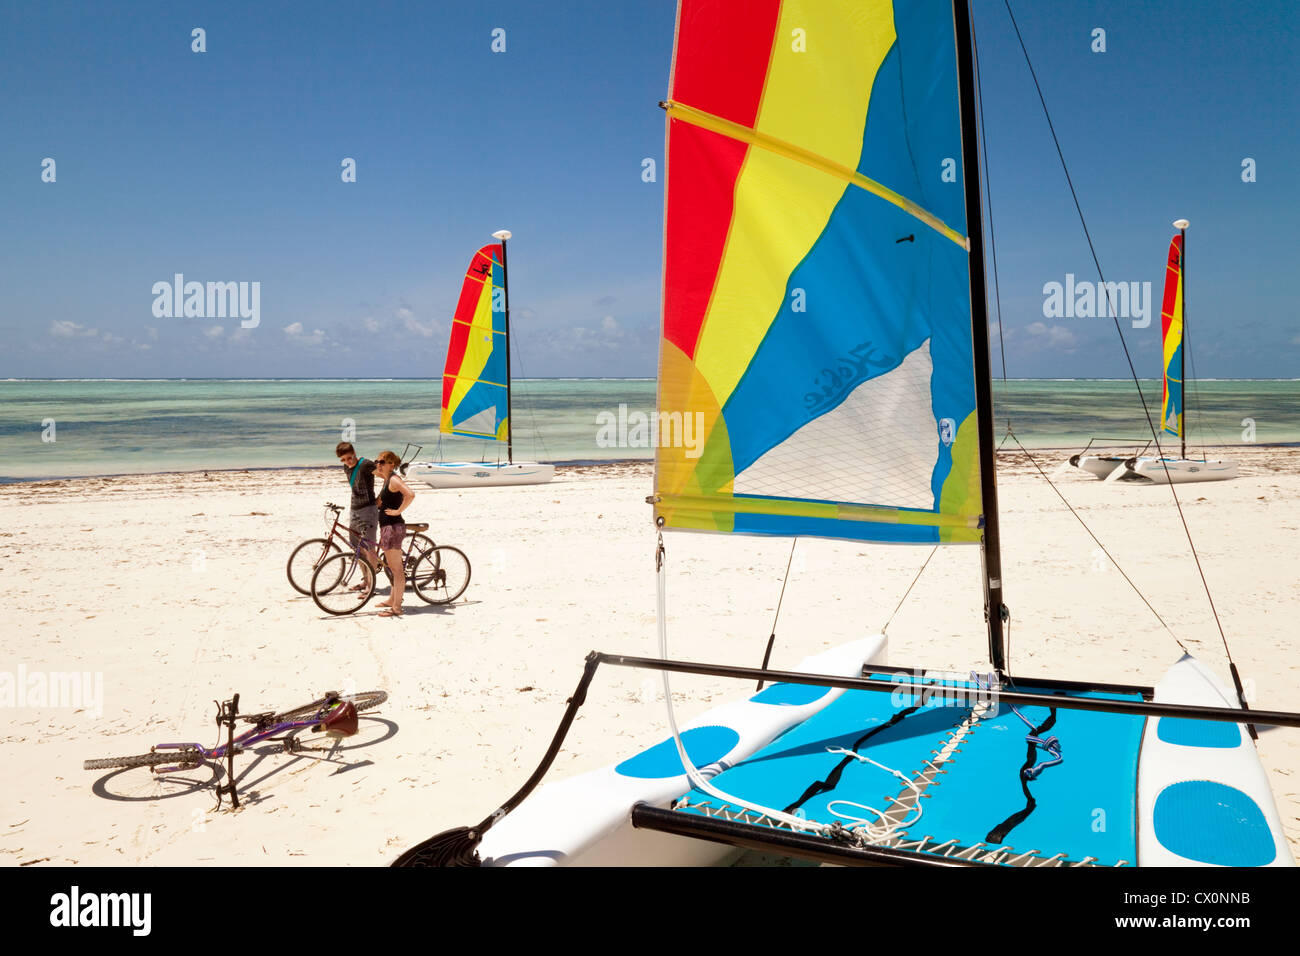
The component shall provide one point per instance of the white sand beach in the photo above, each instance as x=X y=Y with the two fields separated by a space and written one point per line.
x=171 y=590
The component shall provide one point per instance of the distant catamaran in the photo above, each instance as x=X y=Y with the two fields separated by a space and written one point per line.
x=476 y=380
x=1158 y=469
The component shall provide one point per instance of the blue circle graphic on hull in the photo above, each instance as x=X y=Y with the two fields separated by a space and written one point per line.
x=790 y=695
x=703 y=745
x=1197 y=733
x=1213 y=823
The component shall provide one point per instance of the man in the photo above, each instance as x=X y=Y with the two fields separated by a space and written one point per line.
x=363 y=516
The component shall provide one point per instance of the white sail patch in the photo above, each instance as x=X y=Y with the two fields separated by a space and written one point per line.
x=484 y=422
x=879 y=446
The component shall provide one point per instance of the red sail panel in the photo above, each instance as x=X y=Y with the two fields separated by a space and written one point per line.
x=725 y=79
x=471 y=291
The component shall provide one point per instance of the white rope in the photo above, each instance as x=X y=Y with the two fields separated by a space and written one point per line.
x=694 y=774
x=883 y=827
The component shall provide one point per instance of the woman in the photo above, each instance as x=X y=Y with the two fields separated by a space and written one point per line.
x=395 y=498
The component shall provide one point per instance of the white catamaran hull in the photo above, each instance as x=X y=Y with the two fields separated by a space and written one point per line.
x=1099 y=465
x=479 y=474
x=1181 y=470
x=586 y=820
x=1151 y=470
x=1198 y=777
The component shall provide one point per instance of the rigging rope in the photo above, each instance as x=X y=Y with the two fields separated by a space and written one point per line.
x=932 y=553
x=693 y=773
x=1033 y=461
x=532 y=416
x=1127 y=356
x=862 y=831
x=771 y=640
x=988 y=196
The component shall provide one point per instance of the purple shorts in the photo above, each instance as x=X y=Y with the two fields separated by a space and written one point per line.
x=391 y=536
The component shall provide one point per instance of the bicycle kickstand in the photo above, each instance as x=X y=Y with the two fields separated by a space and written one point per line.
x=226 y=716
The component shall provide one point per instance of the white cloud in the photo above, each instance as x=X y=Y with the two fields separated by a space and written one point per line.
x=214 y=331
x=1052 y=336
x=417 y=328
x=64 y=329
x=296 y=333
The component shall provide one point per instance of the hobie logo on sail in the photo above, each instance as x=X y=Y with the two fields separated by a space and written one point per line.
x=211 y=300
x=657 y=430
x=1086 y=300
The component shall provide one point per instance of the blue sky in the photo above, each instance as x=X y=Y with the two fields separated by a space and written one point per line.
x=225 y=165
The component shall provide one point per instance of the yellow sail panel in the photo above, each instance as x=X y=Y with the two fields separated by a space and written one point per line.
x=474 y=382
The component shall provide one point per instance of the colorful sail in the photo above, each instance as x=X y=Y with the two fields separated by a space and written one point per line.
x=474 y=381
x=1171 y=335
x=816 y=371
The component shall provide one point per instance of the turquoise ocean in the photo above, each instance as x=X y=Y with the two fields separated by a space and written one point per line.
x=106 y=427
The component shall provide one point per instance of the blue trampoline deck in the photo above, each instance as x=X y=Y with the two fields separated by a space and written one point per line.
x=1084 y=808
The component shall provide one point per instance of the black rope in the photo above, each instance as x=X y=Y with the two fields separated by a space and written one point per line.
x=999 y=833
x=1241 y=694
x=832 y=779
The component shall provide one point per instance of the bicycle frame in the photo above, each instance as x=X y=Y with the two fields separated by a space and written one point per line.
x=242 y=742
x=362 y=540
x=227 y=715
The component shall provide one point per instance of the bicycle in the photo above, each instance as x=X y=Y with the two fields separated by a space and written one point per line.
x=308 y=556
x=333 y=714
x=344 y=584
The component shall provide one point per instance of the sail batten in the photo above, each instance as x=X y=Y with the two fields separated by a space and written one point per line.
x=753 y=137
x=817 y=315
x=475 y=384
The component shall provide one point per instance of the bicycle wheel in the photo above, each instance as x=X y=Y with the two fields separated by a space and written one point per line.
x=342 y=584
x=182 y=758
x=306 y=558
x=441 y=575
x=363 y=700
x=419 y=546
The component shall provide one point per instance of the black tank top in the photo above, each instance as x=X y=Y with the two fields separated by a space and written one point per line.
x=388 y=498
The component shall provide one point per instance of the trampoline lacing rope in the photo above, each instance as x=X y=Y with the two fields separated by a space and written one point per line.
x=883 y=827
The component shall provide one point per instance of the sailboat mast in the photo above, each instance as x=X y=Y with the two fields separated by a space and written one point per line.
x=504 y=236
x=992 y=545
x=1182 y=225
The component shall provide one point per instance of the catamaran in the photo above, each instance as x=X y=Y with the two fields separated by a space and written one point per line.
x=1160 y=469
x=476 y=380
x=824 y=315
